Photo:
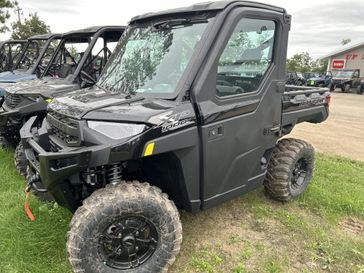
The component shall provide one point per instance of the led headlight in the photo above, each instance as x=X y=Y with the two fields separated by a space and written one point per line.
x=116 y=130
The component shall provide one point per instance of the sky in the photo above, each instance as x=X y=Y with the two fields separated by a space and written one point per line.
x=318 y=26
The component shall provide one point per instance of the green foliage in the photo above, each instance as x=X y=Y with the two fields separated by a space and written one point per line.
x=5 y=5
x=303 y=62
x=206 y=261
x=321 y=245
x=30 y=27
x=337 y=189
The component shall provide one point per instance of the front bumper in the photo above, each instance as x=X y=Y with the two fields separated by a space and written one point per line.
x=61 y=171
x=25 y=109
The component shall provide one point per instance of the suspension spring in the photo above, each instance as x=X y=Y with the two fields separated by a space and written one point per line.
x=114 y=173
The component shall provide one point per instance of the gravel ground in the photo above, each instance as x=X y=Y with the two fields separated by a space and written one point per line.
x=343 y=132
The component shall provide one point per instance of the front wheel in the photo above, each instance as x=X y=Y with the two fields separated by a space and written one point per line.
x=126 y=228
x=290 y=169
x=4 y=143
x=360 y=89
x=347 y=88
x=332 y=87
x=20 y=160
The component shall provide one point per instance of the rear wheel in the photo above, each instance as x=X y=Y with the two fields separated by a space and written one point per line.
x=126 y=228
x=290 y=169
x=20 y=159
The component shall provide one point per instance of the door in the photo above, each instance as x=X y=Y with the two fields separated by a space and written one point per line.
x=240 y=104
x=356 y=79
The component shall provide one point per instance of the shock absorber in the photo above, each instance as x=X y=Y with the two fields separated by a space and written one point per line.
x=114 y=173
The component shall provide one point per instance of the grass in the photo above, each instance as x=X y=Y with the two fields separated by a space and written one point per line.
x=249 y=234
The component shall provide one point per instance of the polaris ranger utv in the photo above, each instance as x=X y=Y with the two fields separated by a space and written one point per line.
x=9 y=53
x=32 y=61
x=191 y=104
x=67 y=70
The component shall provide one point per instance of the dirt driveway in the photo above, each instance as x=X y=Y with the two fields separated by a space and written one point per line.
x=343 y=132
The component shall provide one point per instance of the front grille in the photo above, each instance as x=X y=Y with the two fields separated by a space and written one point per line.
x=64 y=128
x=12 y=100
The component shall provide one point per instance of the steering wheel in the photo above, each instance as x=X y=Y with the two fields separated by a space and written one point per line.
x=86 y=78
x=54 y=68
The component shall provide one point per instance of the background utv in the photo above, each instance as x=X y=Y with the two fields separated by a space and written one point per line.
x=197 y=120
x=66 y=71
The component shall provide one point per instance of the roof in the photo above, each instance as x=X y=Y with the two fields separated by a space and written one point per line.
x=92 y=30
x=44 y=36
x=207 y=6
x=343 y=49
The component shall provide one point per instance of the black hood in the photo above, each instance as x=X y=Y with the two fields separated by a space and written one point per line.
x=98 y=104
x=48 y=87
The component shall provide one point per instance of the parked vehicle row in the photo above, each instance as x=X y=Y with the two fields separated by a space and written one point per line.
x=123 y=139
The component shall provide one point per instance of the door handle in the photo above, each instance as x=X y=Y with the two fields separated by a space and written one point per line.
x=216 y=132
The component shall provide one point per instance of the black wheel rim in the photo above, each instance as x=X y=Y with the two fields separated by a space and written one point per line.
x=128 y=242
x=299 y=174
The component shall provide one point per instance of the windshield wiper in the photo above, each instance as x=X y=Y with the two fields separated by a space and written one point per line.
x=169 y=24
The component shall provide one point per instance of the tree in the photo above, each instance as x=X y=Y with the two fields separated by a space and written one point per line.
x=345 y=41
x=5 y=5
x=303 y=62
x=31 y=26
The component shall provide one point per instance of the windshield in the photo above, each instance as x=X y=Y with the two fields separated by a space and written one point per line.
x=152 y=59
x=345 y=74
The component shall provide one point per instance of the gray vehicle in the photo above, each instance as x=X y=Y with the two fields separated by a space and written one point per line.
x=193 y=101
x=32 y=61
x=10 y=52
x=76 y=63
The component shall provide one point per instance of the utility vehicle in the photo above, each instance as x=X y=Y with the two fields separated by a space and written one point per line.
x=9 y=53
x=295 y=78
x=346 y=79
x=36 y=53
x=190 y=105
x=76 y=63
x=320 y=80
x=32 y=61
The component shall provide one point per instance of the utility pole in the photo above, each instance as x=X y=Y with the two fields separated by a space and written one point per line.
x=18 y=11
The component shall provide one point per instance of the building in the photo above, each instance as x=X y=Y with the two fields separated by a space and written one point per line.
x=350 y=56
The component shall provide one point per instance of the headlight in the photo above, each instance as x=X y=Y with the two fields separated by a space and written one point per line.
x=116 y=130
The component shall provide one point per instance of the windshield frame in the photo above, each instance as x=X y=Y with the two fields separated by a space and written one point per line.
x=43 y=52
x=181 y=87
x=25 y=51
x=345 y=71
x=62 y=42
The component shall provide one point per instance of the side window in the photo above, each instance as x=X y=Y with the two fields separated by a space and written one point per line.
x=356 y=74
x=246 y=57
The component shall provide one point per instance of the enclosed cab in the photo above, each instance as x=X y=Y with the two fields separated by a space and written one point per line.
x=76 y=63
x=191 y=105
x=10 y=52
